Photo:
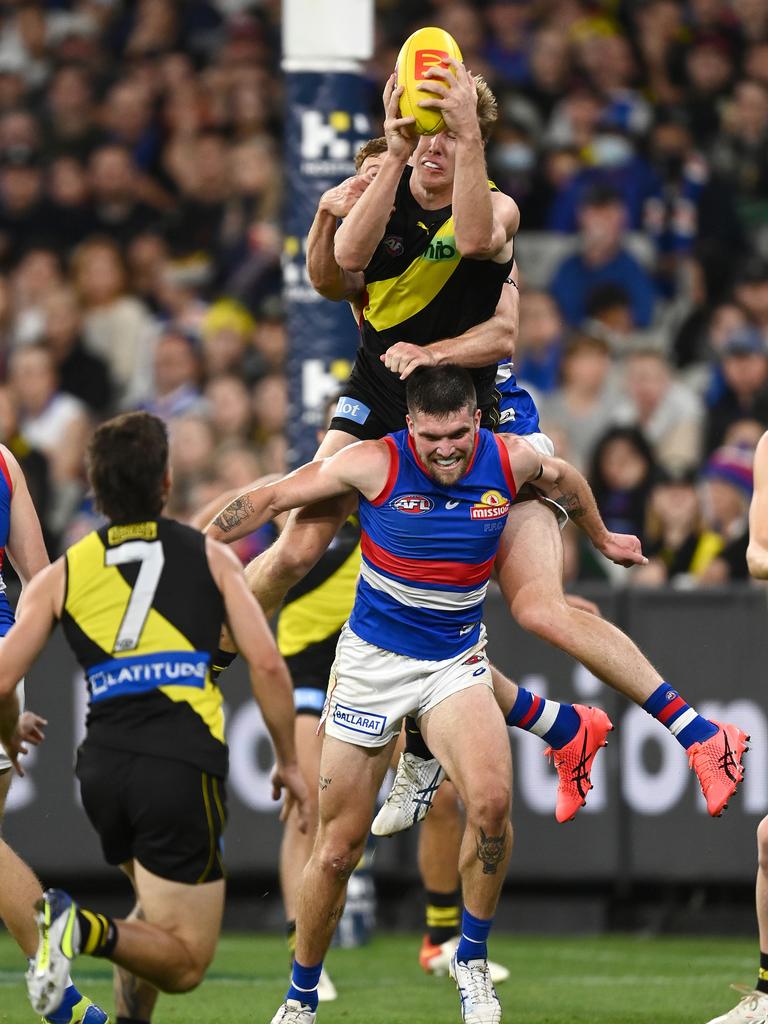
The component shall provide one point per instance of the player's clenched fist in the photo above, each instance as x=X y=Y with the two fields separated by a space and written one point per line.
x=403 y=358
x=339 y=201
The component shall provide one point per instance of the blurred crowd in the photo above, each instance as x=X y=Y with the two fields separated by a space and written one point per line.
x=140 y=243
x=140 y=190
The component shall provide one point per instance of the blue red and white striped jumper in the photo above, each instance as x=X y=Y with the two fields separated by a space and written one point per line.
x=6 y=493
x=428 y=551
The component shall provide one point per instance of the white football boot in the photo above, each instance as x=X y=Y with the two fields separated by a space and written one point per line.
x=294 y=1012
x=416 y=781
x=752 y=1008
x=479 y=1002
x=58 y=945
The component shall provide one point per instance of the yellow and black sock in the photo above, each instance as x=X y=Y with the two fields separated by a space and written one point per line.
x=762 y=974
x=98 y=934
x=221 y=662
x=443 y=916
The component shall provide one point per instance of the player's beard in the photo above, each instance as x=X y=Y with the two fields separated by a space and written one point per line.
x=447 y=476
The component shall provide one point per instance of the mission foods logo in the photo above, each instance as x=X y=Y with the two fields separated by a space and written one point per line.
x=413 y=504
x=492 y=505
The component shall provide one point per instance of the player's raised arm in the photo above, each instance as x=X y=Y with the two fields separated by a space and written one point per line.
x=757 y=551
x=357 y=238
x=484 y=222
x=363 y=467
x=41 y=608
x=328 y=278
x=565 y=485
x=203 y=516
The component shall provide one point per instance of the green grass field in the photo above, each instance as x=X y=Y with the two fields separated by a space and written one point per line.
x=607 y=980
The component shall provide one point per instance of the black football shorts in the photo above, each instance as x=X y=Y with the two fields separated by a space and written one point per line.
x=168 y=815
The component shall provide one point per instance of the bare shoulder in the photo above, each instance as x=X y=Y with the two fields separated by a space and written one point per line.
x=12 y=462
x=364 y=465
x=524 y=461
x=364 y=454
x=507 y=209
x=518 y=447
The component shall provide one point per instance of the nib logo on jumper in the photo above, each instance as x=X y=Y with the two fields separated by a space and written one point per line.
x=441 y=249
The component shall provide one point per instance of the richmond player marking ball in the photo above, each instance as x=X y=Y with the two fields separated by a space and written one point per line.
x=424 y=49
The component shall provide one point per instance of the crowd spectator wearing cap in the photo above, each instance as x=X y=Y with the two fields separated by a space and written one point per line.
x=727 y=478
x=744 y=369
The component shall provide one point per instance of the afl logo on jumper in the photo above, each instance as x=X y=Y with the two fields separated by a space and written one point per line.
x=492 y=505
x=393 y=246
x=413 y=504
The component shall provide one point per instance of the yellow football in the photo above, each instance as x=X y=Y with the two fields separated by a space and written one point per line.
x=426 y=48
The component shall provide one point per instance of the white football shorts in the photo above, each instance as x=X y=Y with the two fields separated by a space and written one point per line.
x=4 y=762
x=541 y=442
x=372 y=690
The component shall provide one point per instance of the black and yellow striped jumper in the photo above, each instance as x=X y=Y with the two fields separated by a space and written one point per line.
x=419 y=289
x=143 y=614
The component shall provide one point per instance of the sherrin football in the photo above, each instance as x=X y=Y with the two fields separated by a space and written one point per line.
x=426 y=48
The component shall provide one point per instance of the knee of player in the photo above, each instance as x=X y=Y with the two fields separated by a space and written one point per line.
x=187 y=977
x=542 y=618
x=339 y=856
x=489 y=808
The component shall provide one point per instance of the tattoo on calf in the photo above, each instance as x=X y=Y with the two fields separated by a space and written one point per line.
x=335 y=915
x=325 y=781
x=234 y=514
x=490 y=851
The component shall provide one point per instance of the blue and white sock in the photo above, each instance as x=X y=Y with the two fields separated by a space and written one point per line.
x=474 y=937
x=304 y=982
x=684 y=722
x=555 y=723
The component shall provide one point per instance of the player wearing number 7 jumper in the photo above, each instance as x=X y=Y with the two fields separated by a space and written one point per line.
x=142 y=601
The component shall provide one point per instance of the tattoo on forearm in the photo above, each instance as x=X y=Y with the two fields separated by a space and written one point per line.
x=490 y=851
x=234 y=514
x=571 y=503
x=325 y=781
